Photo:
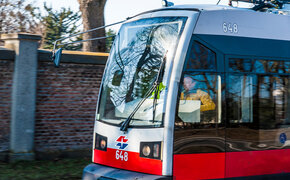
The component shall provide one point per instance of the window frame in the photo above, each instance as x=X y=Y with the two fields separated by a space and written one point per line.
x=218 y=71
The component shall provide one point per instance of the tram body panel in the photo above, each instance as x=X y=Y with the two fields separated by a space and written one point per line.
x=176 y=67
x=257 y=36
x=243 y=23
x=123 y=150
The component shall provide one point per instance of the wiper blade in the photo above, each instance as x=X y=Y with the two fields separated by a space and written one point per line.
x=155 y=87
x=158 y=82
x=126 y=123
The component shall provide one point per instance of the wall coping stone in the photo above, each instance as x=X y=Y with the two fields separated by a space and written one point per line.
x=77 y=57
x=20 y=36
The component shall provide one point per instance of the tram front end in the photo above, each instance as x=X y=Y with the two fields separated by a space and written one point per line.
x=133 y=131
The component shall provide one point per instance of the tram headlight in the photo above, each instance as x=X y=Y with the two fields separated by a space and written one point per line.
x=150 y=150
x=146 y=150
x=101 y=142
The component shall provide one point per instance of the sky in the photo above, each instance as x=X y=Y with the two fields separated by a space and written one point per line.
x=118 y=10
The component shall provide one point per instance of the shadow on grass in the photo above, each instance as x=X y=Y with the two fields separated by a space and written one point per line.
x=62 y=169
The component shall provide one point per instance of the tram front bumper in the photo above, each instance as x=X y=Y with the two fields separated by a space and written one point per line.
x=100 y=172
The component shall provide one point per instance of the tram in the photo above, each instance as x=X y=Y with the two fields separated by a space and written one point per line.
x=196 y=92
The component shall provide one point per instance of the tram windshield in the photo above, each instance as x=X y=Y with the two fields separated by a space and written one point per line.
x=135 y=61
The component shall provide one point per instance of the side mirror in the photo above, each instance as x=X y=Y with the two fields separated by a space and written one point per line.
x=118 y=75
x=56 y=57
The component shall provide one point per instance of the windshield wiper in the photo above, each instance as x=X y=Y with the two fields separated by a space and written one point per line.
x=155 y=87
x=158 y=83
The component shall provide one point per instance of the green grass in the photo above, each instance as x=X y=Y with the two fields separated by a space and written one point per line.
x=56 y=170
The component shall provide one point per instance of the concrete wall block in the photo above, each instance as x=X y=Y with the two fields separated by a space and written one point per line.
x=23 y=94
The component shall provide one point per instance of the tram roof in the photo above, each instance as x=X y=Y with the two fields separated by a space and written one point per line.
x=199 y=7
x=267 y=29
x=202 y=7
x=212 y=7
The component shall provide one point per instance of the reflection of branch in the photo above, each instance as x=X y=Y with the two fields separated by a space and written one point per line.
x=209 y=87
x=142 y=57
x=117 y=100
x=265 y=65
x=244 y=86
x=141 y=62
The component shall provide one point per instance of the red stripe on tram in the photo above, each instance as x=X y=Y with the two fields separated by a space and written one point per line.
x=231 y=164
x=199 y=166
x=250 y=163
x=128 y=161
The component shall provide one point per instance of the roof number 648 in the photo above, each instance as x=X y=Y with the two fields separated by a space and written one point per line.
x=230 y=28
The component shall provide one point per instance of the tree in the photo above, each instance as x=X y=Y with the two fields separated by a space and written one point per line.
x=109 y=41
x=17 y=16
x=59 y=24
x=93 y=16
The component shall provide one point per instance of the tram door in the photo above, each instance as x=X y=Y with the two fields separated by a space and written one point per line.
x=199 y=134
x=258 y=101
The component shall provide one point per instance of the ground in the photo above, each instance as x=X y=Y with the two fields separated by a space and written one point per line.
x=59 y=169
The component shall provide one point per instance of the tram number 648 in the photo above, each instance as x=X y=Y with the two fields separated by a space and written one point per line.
x=230 y=27
x=122 y=155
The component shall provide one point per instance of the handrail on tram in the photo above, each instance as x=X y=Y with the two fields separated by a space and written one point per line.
x=55 y=44
x=55 y=57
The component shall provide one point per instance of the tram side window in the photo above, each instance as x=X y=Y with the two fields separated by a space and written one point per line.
x=198 y=123
x=257 y=106
x=200 y=57
x=258 y=66
x=240 y=99
x=241 y=65
x=199 y=90
x=198 y=98
x=266 y=66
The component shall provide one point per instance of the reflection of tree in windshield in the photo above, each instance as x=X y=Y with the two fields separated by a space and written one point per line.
x=140 y=56
x=133 y=66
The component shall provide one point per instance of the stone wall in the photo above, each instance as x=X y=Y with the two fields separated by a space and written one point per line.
x=6 y=75
x=65 y=104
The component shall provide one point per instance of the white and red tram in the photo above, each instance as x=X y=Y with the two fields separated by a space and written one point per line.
x=238 y=57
